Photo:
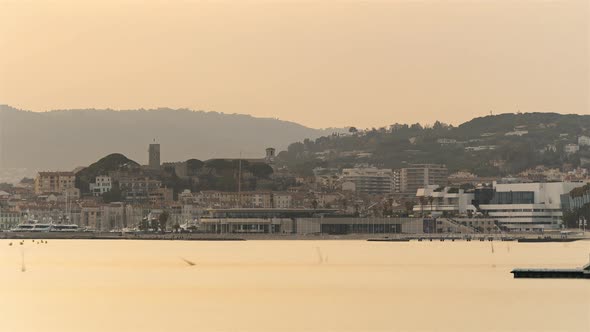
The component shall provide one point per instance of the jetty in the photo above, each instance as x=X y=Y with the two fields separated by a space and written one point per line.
x=580 y=273
x=389 y=240
x=548 y=239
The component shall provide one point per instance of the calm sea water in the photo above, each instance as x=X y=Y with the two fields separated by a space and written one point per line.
x=73 y=285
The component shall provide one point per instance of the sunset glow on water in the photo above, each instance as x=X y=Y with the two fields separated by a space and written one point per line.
x=83 y=285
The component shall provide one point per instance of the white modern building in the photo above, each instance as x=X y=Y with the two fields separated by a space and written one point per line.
x=515 y=206
x=527 y=206
x=437 y=200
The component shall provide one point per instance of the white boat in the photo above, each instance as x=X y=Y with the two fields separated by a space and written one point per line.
x=45 y=228
x=23 y=228
x=32 y=228
x=65 y=228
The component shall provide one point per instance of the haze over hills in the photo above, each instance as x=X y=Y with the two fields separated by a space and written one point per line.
x=64 y=139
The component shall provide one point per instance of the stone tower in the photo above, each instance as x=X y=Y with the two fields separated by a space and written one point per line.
x=154 y=156
x=270 y=155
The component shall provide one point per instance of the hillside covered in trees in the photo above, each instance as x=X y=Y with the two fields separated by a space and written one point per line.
x=193 y=174
x=487 y=146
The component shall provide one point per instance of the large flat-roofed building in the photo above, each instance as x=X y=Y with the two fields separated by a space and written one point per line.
x=301 y=221
x=54 y=182
x=369 y=180
x=421 y=175
x=527 y=206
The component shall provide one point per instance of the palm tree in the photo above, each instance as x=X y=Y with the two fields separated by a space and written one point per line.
x=422 y=201
x=163 y=219
x=314 y=204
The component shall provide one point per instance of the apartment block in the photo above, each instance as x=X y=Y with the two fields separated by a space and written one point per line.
x=54 y=182
x=422 y=175
x=369 y=180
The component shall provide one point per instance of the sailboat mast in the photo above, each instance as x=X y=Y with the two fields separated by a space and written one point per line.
x=240 y=181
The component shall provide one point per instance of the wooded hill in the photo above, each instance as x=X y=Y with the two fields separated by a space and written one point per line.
x=486 y=146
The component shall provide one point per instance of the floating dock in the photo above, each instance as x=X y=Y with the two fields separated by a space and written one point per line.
x=389 y=240
x=548 y=239
x=582 y=273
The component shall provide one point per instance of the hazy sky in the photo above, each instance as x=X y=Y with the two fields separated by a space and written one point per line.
x=319 y=63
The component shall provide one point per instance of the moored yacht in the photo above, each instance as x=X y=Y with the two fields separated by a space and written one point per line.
x=65 y=228
x=45 y=228
x=32 y=228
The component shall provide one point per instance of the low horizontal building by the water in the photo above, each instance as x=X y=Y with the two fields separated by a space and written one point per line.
x=302 y=221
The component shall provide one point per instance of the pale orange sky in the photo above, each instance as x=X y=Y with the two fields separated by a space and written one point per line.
x=319 y=63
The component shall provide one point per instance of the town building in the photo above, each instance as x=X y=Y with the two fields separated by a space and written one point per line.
x=102 y=184
x=90 y=217
x=137 y=189
x=161 y=196
x=517 y=133
x=54 y=182
x=369 y=180
x=282 y=201
x=421 y=175
x=396 y=181
x=9 y=219
x=446 y=141
x=584 y=141
x=571 y=148
x=480 y=148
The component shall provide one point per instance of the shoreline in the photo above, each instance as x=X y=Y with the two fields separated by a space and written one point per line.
x=274 y=237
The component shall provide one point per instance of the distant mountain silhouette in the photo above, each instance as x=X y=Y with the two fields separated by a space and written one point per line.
x=64 y=139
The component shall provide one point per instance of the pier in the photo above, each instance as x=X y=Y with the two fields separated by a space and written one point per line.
x=581 y=273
